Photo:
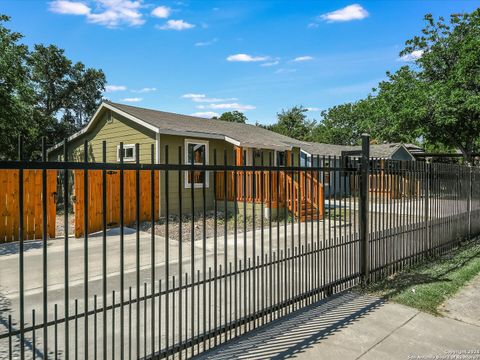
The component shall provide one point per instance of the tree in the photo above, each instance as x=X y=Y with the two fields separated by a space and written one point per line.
x=343 y=124
x=438 y=98
x=64 y=91
x=42 y=93
x=16 y=95
x=233 y=116
x=294 y=123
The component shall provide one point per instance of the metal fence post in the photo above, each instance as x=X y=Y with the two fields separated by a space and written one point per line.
x=427 y=209
x=469 y=201
x=364 y=245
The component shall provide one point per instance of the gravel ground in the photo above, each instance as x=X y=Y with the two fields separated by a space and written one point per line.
x=186 y=229
x=60 y=224
x=174 y=225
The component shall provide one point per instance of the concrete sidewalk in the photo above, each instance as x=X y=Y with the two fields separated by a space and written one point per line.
x=353 y=326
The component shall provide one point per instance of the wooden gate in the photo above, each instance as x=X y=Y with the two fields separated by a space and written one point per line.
x=32 y=204
x=95 y=196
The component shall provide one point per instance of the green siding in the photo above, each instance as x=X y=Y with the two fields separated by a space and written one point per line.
x=116 y=130
x=173 y=143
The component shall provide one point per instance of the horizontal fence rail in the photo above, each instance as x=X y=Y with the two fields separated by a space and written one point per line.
x=162 y=258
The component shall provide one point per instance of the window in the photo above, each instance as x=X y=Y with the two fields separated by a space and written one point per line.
x=305 y=159
x=326 y=173
x=196 y=151
x=281 y=158
x=129 y=153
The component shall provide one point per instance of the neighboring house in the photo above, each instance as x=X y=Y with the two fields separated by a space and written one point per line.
x=209 y=139
x=330 y=155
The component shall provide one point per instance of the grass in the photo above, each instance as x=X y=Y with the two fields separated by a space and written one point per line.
x=427 y=285
x=339 y=214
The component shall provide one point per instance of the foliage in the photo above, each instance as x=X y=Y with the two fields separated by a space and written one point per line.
x=294 y=123
x=342 y=124
x=427 y=285
x=435 y=100
x=232 y=116
x=42 y=93
x=16 y=96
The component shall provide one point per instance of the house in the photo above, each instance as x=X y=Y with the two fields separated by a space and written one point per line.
x=193 y=139
x=337 y=182
x=197 y=139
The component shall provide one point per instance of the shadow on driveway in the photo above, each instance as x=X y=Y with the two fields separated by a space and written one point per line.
x=296 y=332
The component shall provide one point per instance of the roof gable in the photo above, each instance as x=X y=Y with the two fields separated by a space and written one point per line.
x=244 y=135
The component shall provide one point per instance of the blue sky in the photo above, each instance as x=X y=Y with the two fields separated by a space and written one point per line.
x=205 y=57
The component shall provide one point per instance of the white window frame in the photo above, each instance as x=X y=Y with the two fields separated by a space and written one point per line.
x=276 y=158
x=129 y=158
x=309 y=157
x=207 y=174
x=250 y=156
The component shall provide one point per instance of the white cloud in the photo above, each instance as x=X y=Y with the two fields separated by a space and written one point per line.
x=162 y=12
x=175 y=25
x=109 y=13
x=145 y=90
x=303 y=58
x=69 y=7
x=271 y=63
x=312 y=25
x=313 y=109
x=202 y=98
x=193 y=96
x=414 y=55
x=246 y=58
x=206 y=43
x=206 y=114
x=112 y=88
x=133 y=99
x=285 y=71
x=227 y=106
x=348 y=13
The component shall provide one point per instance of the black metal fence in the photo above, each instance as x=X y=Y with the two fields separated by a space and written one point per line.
x=210 y=270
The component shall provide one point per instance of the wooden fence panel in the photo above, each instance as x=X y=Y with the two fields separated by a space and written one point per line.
x=32 y=204
x=95 y=193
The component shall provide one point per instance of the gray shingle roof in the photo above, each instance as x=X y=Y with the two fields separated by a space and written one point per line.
x=314 y=148
x=246 y=135
x=382 y=151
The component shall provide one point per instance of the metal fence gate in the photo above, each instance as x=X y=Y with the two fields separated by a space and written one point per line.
x=214 y=267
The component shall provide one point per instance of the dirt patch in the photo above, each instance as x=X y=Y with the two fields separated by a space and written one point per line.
x=183 y=229
x=60 y=224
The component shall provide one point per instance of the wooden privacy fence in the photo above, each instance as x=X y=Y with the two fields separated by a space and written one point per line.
x=32 y=204
x=95 y=199
x=391 y=186
x=394 y=186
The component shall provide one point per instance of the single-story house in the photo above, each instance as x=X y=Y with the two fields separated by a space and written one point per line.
x=330 y=155
x=186 y=135
x=192 y=138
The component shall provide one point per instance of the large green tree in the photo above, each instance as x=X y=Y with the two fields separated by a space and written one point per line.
x=438 y=98
x=65 y=91
x=293 y=122
x=344 y=124
x=16 y=95
x=434 y=100
x=232 y=116
x=42 y=93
